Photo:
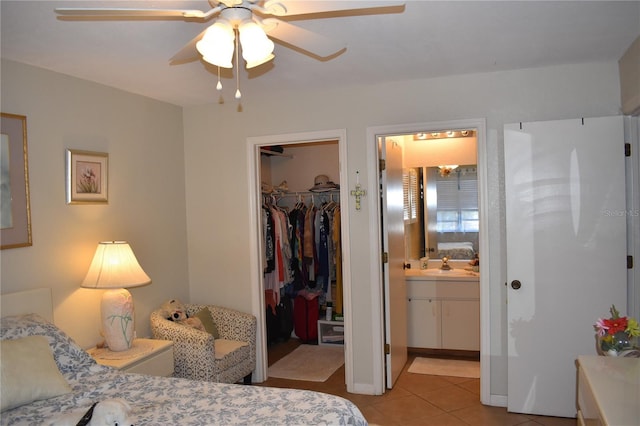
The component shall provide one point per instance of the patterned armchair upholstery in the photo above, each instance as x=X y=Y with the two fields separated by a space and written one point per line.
x=198 y=356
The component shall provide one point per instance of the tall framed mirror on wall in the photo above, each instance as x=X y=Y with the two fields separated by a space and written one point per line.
x=440 y=182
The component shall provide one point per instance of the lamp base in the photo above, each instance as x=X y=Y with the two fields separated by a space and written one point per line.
x=117 y=316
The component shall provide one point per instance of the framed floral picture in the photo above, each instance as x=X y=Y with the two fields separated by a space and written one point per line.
x=87 y=177
x=15 y=211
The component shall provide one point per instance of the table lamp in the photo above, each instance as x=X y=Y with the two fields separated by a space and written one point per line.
x=114 y=267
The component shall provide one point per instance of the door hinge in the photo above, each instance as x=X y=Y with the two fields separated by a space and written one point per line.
x=627 y=149
x=383 y=164
x=629 y=262
x=387 y=349
x=385 y=257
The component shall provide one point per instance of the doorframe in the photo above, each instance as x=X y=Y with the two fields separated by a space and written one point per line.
x=255 y=259
x=375 y=243
x=632 y=180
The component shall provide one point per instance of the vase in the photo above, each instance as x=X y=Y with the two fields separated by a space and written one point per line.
x=619 y=344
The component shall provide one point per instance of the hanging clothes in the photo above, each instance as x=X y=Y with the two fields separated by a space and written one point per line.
x=302 y=249
x=277 y=249
x=283 y=245
x=310 y=252
x=296 y=218
x=337 y=260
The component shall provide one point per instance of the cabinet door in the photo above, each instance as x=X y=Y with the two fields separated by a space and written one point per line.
x=461 y=325
x=423 y=329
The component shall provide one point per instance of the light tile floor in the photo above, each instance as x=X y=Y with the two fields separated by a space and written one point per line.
x=418 y=399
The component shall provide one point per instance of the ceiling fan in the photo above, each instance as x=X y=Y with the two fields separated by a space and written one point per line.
x=240 y=15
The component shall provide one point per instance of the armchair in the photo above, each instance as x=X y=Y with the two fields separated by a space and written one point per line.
x=199 y=356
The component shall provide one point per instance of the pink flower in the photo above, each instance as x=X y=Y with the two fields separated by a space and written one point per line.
x=601 y=327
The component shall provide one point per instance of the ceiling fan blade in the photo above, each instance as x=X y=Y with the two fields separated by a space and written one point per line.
x=296 y=37
x=133 y=13
x=189 y=52
x=308 y=7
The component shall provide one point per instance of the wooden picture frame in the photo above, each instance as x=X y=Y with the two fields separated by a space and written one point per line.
x=15 y=210
x=87 y=177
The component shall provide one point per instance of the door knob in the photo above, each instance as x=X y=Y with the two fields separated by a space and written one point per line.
x=515 y=284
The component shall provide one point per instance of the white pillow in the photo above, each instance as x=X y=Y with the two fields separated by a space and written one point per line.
x=29 y=372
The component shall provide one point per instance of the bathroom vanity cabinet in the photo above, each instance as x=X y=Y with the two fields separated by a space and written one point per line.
x=443 y=314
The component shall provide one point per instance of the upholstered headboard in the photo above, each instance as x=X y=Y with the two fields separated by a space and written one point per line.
x=37 y=301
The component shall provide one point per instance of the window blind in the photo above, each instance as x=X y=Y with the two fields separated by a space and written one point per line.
x=458 y=202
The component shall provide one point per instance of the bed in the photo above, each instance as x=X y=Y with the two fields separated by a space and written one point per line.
x=155 y=400
x=456 y=250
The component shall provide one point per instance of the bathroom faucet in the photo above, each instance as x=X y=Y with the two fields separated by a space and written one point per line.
x=445 y=264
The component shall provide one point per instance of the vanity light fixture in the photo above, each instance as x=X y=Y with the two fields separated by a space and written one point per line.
x=445 y=170
x=445 y=134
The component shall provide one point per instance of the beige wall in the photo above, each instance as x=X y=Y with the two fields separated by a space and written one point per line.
x=307 y=162
x=218 y=213
x=146 y=206
x=439 y=151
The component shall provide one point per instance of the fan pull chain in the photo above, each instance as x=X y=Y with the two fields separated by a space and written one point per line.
x=219 y=85
x=238 y=94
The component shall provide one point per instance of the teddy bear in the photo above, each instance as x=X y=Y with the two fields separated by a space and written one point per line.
x=174 y=310
x=108 y=412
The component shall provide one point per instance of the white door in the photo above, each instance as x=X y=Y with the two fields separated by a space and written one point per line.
x=395 y=291
x=566 y=252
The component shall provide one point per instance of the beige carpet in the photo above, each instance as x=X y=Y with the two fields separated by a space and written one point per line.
x=445 y=367
x=313 y=363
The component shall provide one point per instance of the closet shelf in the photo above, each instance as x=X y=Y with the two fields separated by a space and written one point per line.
x=271 y=153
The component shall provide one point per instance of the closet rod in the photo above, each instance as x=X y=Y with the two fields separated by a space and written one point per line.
x=298 y=193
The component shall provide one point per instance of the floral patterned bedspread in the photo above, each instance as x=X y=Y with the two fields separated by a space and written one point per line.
x=165 y=400
x=463 y=250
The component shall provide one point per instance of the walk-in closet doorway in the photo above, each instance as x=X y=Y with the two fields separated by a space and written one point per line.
x=276 y=177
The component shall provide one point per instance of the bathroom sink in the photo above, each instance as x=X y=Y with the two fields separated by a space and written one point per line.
x=450 y=272
x=441 y=274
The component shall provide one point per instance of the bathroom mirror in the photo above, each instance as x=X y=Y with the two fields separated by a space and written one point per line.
x=440 y=183
x=441 y=212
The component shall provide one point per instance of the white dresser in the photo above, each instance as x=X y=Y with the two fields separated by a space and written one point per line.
x=608 y=391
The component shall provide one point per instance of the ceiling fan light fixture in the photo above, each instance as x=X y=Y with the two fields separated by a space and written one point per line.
x=260 y=62
x=216 y=46
x=257 y=48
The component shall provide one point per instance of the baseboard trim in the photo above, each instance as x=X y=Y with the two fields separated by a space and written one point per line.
x=498 y=400
x=363 y=389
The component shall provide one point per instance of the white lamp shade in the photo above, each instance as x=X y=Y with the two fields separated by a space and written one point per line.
x=216 y=46
x=115 y=266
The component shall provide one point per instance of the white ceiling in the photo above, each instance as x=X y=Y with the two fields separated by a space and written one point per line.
x=426 y=39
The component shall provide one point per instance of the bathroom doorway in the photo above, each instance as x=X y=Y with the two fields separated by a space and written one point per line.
x=474 y=167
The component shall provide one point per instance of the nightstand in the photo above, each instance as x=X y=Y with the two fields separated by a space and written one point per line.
x=146 y=356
